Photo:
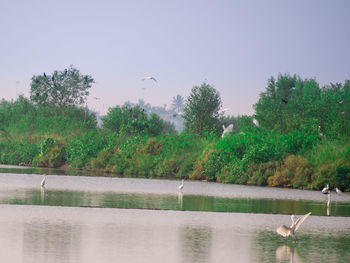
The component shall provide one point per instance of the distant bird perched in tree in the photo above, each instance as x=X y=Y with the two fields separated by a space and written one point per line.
x=53 y=78
x=227 y=129
x=256 y=122
x=319 y=131
x=287 y=231
x=150 y=78
x=285 y=101
x=44 y=74
x=340 y=102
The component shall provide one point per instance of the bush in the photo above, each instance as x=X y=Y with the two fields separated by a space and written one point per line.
x=296 y=172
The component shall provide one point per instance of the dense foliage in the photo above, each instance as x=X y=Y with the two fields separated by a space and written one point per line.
x=62 y=88
x=302 y=140
x=201 y=111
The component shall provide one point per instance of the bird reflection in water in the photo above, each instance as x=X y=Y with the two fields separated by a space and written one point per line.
x=42 y=189
x=180 y=199
x=328 y=203
x=285 y=253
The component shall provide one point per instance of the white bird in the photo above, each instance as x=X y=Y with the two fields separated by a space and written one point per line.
x=256 y=122
x=338 y=191
x=223 y=110
x=181 y=186
x=227 y=129
x=287 y=231
x=150 y=78
x=319 y=131
x=43 y=181
x=325 y=190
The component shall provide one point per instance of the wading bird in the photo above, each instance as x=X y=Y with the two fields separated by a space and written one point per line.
x=338 y=191
x=181 y=186
x=150 y=78
x=42 y=184
x=287 y=231
x=227 y=129
x=325 y=190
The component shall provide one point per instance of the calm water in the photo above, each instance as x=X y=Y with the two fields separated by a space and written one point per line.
x=99 y=219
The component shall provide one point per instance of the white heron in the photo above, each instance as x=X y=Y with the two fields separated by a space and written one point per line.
x=223 y=111
x=287 y=231
x=181 y=186
x=150 y=78
x=338 y=191
x=325 y=190
x=227 y=129
x=319 y=131
x=42 y=184
x=256 y=123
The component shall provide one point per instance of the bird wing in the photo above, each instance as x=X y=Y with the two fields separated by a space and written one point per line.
x=300 y=220
x=230 y=127
x=283 y=230
x=154 y=79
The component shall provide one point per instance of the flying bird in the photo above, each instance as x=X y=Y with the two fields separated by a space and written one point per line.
x=287 y=231
x=227 y=129
x=150 y=78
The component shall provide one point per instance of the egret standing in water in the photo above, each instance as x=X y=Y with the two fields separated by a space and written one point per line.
x=325 y=190
x=43 y=182
x=338 y=191
x=287 y=231
x=181 y=186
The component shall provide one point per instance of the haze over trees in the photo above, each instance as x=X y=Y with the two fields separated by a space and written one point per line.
x=303 y=140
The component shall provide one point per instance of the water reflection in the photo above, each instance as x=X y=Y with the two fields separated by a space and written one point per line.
x=43 y=240
x=195 y=243
x=180 y=201
x=311 y=247
x=328 y=203
x=287 y=254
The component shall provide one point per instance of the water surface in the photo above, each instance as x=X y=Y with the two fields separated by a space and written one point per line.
x=105 y=219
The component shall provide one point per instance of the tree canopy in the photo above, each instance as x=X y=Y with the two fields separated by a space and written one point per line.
x=62 y=88
x=201 y=111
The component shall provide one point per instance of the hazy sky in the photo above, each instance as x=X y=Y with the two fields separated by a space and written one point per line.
x=233 y=45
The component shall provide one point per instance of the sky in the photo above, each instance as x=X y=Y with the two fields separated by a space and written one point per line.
x=234 y=46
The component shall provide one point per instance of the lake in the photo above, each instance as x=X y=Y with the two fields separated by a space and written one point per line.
x=103 y=219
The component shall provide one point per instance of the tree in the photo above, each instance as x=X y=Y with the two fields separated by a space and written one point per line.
x=62 y=88
x=135 y=121
x=201 y=111
x=178 y=103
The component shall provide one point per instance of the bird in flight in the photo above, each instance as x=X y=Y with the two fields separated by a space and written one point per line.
x=150 y=78
x=287 y=231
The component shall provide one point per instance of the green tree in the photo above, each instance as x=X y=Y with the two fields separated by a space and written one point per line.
x=201 y=111
x=134 y=121
x=62 y=88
